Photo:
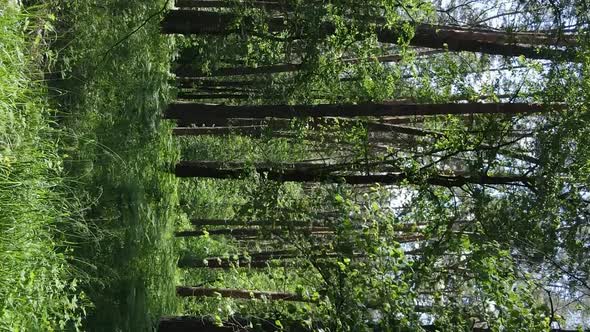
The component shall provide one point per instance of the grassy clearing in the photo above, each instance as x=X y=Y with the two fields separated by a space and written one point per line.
x=91 y=172
x=112 y=90
x=38 y=288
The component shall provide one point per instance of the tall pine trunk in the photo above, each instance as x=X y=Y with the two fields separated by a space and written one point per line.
x=287 y=173
x=250 y=232
x=254 y=260
x=530 y=44
x=254 y=131
x=186 y=70
x=233 y=324
x=234 y=222
x=208 y=96
x=191 y=324
x=187 y=112
x=186 y=291
x=269 y=5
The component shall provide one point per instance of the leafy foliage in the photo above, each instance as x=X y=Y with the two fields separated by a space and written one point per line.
x=39 y=289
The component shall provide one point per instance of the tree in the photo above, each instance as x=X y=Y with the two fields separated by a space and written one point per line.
x=197 y=169
x=188 y=324
x=184 y=70
x=499 y=193
x=269 y=5
x=194 y=112
x=185 y=291
x=529 y=44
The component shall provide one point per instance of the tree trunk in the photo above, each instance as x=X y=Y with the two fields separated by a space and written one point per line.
x=404 y=227
x=262 y=259
x=187 y=112
x=233 y=222
x=184 y=291
x=222 y=89
x=434 y=328
x=313 y=167
x=379 y=127
x=196 y=83
x=530 y=44
x=289 y=224
x=187 y=71
x=205 y=324
x=236 y=122
x=284 y=174
x=218 y=263
x=257 y=130
x=206 y=96
x=285 y=124
x=269 y=5
x=185 y=21
x=191 y=324
x=254 y=131
x=234 y=324
x=247 y=232
x=254 y=260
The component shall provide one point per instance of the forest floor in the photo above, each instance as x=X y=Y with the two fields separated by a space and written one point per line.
x=87 y=205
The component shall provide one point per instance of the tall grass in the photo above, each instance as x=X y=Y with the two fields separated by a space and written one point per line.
x=113 y=86
x=38 y=289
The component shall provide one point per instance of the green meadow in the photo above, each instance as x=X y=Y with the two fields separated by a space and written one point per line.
x=403 y=166
x=87 y=205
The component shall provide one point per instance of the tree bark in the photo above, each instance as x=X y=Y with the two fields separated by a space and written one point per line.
x=530 y=44
x=204 y=324
x=379 y=127
x=234 y=222
x=284 y=174
x=255 y=131
x=227 y=90
x=404 y=227
x=185 y=291
x=206 y=96
x=247 y=232
x=186 y=21
x=191 y=324
x=312 y=167
x=286 y=123
x=254 y=260
x=196 y=83
x=218 y=263
x=263 y=259
x=186 y=71
x=234 y=324
x=269 y=5
x=187 y=112
x=434 y=328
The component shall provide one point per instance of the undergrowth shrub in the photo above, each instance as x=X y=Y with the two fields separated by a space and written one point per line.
x=39 y=289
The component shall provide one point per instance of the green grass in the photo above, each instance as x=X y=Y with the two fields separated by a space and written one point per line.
x=38 y=287
x=87 y=205
x=112 y=92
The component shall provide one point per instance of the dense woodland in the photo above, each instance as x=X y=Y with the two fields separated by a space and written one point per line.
x=382 y=165
x=294 y=165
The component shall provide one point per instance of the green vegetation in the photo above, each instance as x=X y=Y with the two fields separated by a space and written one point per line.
x=39 y=289
x=393 y=204
x=87 y=204
x=112 y=96
x=397 y=206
